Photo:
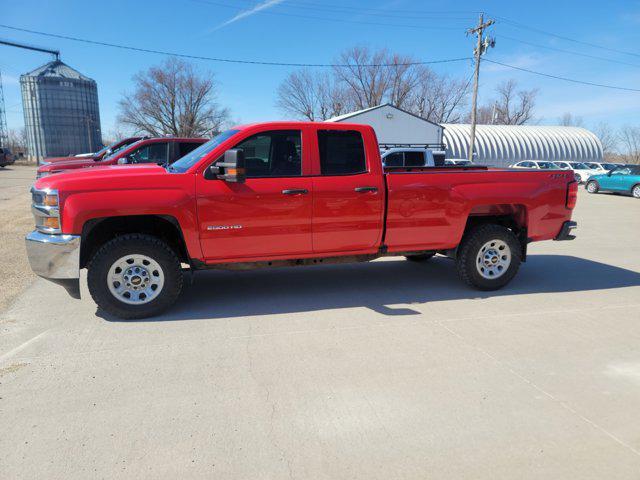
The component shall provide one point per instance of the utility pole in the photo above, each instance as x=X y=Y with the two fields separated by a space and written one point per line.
x=4 y=132
x=483 y=44
x=89 y=121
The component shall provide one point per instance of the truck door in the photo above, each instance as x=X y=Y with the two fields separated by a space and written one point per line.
x=348 y=194
x=268 y=215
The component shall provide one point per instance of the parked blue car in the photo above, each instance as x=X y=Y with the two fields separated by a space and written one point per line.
x=621 y=180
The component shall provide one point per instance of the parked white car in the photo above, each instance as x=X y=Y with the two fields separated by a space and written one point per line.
x=461 y=162
x=602 y=167
x=539 y=164
x=407 y=157
x=582 y=170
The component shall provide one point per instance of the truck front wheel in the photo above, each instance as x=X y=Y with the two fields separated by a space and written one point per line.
x=134 y=276
x=488 y=257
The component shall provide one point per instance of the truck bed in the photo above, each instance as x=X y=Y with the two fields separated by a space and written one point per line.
x=428 y=208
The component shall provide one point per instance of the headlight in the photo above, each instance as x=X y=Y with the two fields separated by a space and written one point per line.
x=46 y=210
x=42 y=174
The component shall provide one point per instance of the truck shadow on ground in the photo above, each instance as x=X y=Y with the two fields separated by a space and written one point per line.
x=228 y=294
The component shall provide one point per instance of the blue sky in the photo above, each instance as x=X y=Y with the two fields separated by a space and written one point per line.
x=281 y=30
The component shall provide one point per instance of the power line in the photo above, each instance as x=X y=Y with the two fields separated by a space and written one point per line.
x=323 y=7
x=338 y=20
x=384 y=11
x=293 y=64
x=227 y=60
x=586 y=55
x=563 y=37
x=566 y=79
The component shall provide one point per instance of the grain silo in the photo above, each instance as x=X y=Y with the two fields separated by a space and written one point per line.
x=61 y=113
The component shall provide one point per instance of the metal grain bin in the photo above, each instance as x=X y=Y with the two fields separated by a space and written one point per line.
x=61 y=114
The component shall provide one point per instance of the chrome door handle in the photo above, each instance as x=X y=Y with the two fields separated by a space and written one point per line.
x=295 y=191
x=366 y=189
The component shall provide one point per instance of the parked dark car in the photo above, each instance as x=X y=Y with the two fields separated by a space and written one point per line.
x=6 y=157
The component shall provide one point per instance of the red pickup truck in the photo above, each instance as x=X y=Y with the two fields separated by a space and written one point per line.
x=105 y=152
x=284 y=194
x=146 y=150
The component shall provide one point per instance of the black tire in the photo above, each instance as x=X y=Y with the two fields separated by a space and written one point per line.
x=635 y=191
x=130 y=244
x=423 y=257
x=592 y=186
x=469 y=249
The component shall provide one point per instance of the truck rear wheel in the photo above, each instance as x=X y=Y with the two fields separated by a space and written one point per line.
x=488 y=257
x=135 y=276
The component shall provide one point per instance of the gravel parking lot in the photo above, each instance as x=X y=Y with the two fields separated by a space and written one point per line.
x=15 y=220
x=385 y=370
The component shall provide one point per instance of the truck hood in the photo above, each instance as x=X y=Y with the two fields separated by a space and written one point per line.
x=68 y=164
x=111 y=177
x=67 y=159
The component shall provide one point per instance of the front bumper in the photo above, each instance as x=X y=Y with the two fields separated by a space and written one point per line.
x=56 y=257
x=565 y=231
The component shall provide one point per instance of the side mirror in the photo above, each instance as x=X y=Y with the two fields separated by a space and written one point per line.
x=123 y=160
x=609 y=173
x=231 y=169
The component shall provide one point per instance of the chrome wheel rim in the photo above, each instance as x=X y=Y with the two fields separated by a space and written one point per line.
x=591 y=188
x=636 y=191
x=493 y=259
x=135 y=279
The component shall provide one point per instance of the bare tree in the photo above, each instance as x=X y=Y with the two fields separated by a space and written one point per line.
x=366 y=79
x=312 y=97
x=438 y=98
x=372 y=78
x=17 y=139
x=514 y=107
x=569 y=120
x=174 y=99
x=630 y=143
x=607 y=137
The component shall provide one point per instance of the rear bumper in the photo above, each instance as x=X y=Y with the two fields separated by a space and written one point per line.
x=565 y=231
x=56 y=258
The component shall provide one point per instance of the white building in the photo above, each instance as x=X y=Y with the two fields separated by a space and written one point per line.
x=395 y=126
x=502 y=145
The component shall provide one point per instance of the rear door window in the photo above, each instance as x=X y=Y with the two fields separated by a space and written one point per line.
x=341 y=152
x=413 y=159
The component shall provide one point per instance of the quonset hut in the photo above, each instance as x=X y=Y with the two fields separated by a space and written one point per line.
x=502 y=145
x=61 y=114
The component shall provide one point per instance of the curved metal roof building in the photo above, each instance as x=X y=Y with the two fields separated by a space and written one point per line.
x=502 y=145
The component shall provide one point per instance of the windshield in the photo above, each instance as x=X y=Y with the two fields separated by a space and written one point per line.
x=579 y=166
x=115 y=152
x=609 y=166
x=548 y=166
x=190 y=159
x=112 y=148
